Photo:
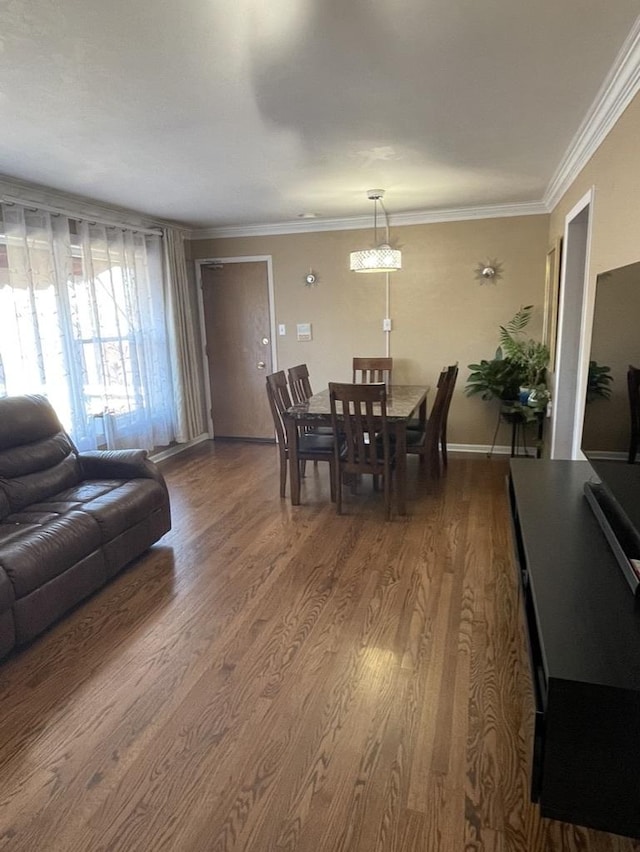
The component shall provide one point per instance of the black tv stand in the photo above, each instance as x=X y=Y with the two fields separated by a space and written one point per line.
x=584 y=639
x=622 y=536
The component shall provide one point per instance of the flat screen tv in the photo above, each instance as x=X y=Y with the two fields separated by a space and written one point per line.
x=606 y=436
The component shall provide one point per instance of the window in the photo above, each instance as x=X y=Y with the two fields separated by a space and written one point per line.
x=82 y=321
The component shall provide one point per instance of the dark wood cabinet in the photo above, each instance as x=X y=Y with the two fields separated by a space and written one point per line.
x=583 y=626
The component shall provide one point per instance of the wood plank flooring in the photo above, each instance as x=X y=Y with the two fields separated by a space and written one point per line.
x=276 y=678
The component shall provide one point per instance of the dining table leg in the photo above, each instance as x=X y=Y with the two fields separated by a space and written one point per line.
x=401 y=467
x=294 y=464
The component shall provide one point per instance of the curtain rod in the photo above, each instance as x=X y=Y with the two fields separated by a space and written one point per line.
x=60 y=211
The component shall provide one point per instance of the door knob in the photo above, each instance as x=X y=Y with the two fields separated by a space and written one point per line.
x=265 y=341
x=261 y=365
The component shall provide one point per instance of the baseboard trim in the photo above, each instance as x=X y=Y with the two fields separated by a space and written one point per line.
x=480 y=449
x=179 y=448
x=485 y=449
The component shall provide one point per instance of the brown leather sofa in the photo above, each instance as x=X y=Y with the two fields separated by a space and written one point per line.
x=69 y=521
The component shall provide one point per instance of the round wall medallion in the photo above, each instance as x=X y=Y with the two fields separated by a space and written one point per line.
x=489 y=272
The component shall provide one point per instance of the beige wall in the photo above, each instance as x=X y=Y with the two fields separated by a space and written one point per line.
x=440 y=312
x=614 y=171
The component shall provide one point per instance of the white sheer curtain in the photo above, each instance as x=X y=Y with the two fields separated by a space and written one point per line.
x=82 y=321
x=185 y=350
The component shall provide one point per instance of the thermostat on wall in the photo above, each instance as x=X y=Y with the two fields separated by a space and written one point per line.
x=304 y=331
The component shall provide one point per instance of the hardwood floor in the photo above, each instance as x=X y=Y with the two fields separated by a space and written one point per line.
x=277 y=678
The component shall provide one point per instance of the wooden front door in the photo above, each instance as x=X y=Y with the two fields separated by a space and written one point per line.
x=238 y=335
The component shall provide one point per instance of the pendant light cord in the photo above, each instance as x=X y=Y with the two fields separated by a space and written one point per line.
x=388 y=282
x=386 y=219
x=375 y=222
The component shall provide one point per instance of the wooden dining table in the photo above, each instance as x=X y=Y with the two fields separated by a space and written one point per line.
x=404 y=402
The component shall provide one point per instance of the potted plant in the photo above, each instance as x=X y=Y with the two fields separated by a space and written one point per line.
x=498 y=378
x=518 y=369
x=516 y=375
x=531 y=356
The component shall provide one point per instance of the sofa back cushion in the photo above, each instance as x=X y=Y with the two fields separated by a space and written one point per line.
x=37 y=457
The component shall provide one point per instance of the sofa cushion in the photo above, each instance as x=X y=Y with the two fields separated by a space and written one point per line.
x=23 y=459
x=22 y=491
x=26 y=419
x=114 y=504
x=81 y=493
x=50 y=507
x=7 y=596
x=17 y=527
x=35 y=554
x=37 y=457
x=124 y=505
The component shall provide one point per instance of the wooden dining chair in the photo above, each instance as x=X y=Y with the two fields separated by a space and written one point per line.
x=358 y=412
x=452 y=376
x=426 y=440
x=300 y=387
x=311 y=446
x=633 y=388
x=372 y=370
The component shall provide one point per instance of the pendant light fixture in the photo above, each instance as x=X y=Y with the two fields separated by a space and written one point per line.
x=382 y=258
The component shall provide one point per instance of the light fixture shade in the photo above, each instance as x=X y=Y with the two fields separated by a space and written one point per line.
x=381 y=259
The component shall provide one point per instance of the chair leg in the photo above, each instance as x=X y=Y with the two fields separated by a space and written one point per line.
x=338 y=482
x=443 y=446
x=283 y=474
x=434 y=462
x=332 y=479
x=422 y=455
x=387 y=493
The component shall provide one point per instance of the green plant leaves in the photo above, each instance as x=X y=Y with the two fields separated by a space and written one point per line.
x=519 y=361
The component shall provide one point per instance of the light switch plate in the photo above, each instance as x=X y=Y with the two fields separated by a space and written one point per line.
x=282 y=329
x=386 y=324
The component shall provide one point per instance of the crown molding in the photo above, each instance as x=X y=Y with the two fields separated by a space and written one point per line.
x=423 y=217
x=618 y=89
x=14 y=191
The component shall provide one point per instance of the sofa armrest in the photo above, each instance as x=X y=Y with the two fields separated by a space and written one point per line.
x=118 y=464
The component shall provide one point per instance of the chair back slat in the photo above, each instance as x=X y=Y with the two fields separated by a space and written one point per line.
x=299 y=383
x=279 y=402
x=372 y=370
x=436 y=417
x=452 y=375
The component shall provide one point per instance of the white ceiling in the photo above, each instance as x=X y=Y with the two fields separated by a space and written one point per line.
x=214 y=113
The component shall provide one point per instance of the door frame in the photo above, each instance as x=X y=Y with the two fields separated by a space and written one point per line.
x=576 y=288
x=207 y=261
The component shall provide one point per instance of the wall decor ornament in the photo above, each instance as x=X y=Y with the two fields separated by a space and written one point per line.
x=489 y=272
